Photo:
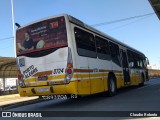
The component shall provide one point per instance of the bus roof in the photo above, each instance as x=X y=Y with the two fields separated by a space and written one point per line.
x=80 y=23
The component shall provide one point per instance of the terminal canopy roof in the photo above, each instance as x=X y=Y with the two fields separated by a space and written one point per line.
x=8 y=67
x=156 y=6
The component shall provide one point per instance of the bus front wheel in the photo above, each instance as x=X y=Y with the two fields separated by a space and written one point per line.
x=142 y=81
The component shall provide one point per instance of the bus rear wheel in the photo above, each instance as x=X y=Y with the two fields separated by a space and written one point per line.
x=111 y=86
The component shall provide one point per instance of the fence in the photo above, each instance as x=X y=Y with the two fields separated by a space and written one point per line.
x=154 y=73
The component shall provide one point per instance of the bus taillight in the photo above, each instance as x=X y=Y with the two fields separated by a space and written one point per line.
x=20 y=79
x=69 y=71
x=19 y=74
x=69 y=65
x=69 y=68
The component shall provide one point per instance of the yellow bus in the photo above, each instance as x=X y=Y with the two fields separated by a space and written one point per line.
x=61 y=55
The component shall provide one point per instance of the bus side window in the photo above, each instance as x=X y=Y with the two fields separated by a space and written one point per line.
x=131 y=59
x=134 y=60
x=144 y=63
x=141 y=62
x=138 y=60
x=85 y=43
x=102 y=46
x=114 y=50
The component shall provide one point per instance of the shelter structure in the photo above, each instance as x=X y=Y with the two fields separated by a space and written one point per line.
x=156 y=6
x=8 y=68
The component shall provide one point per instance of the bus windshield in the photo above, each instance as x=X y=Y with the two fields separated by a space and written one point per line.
x=50 y=33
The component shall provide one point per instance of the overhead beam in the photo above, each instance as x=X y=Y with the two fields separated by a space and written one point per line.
x=156 y=6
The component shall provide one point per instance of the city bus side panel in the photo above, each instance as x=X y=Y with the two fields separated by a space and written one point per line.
x=96 y=76
x=81 y=68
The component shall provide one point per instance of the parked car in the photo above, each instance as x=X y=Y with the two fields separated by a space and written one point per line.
x=13 y=87
x=7 y=88
x=10 y=88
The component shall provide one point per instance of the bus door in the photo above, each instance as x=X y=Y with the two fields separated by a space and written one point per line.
x=125 y=68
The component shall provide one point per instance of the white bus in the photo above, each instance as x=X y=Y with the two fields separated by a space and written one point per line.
x=62 y=55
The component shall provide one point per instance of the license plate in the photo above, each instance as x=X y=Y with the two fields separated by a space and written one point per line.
x=43 y=89
x=42 y=78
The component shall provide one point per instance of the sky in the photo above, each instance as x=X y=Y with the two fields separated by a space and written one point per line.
x=139 y=33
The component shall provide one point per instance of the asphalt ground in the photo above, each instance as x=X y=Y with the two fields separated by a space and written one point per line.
x=146 y=98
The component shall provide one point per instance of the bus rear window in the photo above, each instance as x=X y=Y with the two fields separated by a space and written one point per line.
x=50 y=33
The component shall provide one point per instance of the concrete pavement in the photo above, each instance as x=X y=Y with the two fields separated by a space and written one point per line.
x=10 y=100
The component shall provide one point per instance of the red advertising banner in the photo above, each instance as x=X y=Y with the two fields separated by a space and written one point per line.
x=50 y=33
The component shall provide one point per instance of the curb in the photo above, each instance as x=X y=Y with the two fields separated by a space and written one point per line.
x=14 y=105
x=9 y=96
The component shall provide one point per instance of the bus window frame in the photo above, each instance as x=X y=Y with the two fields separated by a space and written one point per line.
x=115 y=54
x=81 y=51
x=100 y=55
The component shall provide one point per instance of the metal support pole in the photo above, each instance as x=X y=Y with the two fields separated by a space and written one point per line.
x=13 y=29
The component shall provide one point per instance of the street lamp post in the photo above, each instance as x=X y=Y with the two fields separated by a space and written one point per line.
x=13 y=29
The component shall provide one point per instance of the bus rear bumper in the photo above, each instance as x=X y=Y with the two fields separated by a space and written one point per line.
x=70 y=88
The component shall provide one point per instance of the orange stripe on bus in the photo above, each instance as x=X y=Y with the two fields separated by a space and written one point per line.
x=91 y=70
x=83 y=70
x=103 y=70
x=77 y=70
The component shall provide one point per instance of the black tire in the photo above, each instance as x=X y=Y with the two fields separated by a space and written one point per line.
x=111 y=86
x=40 y=97
x=143 y=80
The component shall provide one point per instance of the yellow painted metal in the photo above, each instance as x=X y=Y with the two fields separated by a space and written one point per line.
x=81 y=84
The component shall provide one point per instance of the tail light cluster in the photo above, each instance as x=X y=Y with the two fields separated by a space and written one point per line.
x=20 y=79
x=69 y=68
